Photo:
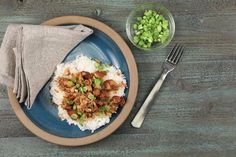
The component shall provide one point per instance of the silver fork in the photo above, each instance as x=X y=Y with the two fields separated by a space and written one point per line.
x=168 y=66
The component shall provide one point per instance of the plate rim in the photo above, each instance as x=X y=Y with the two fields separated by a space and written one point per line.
x=133 y=89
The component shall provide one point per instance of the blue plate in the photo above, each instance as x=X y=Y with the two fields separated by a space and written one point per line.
x=44 y=113
x=104 y=44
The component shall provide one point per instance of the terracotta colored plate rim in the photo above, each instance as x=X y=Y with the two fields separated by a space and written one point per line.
x=126 y=109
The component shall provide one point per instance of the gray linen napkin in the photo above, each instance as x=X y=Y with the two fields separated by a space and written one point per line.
x=30 y=53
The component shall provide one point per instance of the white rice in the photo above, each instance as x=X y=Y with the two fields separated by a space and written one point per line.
x=83 y=63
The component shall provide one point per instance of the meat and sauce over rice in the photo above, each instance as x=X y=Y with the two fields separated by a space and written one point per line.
x=87 y=92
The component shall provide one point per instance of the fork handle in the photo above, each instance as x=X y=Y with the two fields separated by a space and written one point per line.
x=140 y=116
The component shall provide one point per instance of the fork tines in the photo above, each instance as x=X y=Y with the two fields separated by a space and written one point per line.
x=175 y=54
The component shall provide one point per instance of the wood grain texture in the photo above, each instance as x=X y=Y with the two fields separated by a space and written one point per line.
x=195 y=111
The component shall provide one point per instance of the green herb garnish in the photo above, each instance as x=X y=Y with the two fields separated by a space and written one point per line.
x=82 y=89
x=150 y=28
x=73 y=79
x=91 y=96
x=97 y=82
x=70 y=83
x=104 y=108
x=77 y=86
x=101 y=67
x=74 y=116
x=69 y=102
x=74 y=107
x=82 y=119
x=79 y=112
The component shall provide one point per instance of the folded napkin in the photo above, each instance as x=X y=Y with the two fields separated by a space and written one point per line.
x=30 y=53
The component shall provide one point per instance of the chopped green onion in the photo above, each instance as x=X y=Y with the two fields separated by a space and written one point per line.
x=70 y=83
x=82 y=89
x=136 y=39
x=79 y=112
x=159 y=28
x=165 y=24
x=104 y=108
x=97 y=82
x=82 y=119
x=73 y=79
x=74 y=116
x=77 y=85
x=150 y=28
x=91 y=96
x=74 y=107
x=101 y=67
x=140 y=26
x=69 y=102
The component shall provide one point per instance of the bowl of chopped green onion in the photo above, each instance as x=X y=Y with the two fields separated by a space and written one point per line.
x=150 y=26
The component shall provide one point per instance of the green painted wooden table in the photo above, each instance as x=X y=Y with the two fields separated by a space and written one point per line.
x=195 y=112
